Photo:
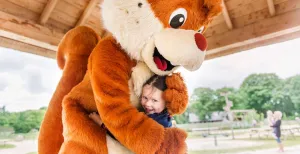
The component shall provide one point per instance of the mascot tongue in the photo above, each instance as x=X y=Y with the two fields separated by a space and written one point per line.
x=160 y=63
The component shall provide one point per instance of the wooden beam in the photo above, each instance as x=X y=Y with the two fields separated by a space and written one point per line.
x=27 y=40
x=226 y=15
x=265 y=29
x=87 y=12
x=271 y=41
x=29 y=29
x=20 y=46
x=47 y=11
x=271 y=7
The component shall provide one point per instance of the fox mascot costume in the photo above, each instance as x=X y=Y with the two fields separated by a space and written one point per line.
x=106 y=76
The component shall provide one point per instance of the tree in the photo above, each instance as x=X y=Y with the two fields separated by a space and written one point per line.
x=203 y=102
x=238 y=98
x=3 y=119
x=281 y=101
x=292 y=89
x=259 y=90
x=182 y=119
x=28 y=120
x=43 y=108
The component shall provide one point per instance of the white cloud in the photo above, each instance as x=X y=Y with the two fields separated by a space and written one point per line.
x=26 y=81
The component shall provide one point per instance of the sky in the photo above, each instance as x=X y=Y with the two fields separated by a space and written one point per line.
x=28 y=81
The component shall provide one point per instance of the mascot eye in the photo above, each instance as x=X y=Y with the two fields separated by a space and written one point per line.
x=201 y=30
x=178 y=18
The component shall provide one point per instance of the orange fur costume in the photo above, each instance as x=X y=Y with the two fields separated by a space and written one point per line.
x=105 y=86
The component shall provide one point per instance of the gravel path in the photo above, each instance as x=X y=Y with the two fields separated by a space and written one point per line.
x=22 y=147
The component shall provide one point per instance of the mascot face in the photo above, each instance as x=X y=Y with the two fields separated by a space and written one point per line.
x=164 y=34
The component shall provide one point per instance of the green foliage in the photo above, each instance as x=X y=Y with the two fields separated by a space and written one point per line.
x=22 y=122
x=260 y=92
x=43 y=108
x=204 y=101
x=259 y=89
x=181 y=119
x=253 y=116
x=292 y=88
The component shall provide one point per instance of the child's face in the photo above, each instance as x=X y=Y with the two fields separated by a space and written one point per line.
x=152 y=100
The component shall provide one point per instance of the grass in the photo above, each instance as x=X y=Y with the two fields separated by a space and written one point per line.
x=7 y=146
x=27 y=136
x=31 y=136
x=268 y=144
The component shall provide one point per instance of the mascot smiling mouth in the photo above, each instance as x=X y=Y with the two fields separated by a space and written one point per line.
x=170 y=49
x=161 y=62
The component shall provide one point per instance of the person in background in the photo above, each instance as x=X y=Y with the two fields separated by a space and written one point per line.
x=276 y=129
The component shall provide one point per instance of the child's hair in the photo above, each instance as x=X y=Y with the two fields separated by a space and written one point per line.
x=269 y=113
x=158 y=82
x=278 y=115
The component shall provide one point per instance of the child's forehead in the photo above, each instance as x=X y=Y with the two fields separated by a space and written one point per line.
x=150 y=90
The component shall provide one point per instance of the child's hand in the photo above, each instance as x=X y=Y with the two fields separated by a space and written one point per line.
x=95 y=117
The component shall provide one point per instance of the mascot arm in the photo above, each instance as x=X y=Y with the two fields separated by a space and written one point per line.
x=176 y=94
x=110 y=69
x=81 y=134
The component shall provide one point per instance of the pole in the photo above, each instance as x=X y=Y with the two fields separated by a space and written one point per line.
x=232 y=133
x=216 y=141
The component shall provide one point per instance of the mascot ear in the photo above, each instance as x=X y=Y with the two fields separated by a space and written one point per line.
x=212 y=8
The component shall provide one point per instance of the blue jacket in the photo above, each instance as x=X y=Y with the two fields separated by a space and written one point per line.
x=162 y=118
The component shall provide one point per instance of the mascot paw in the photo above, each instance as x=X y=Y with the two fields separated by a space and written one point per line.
x=176 y=95
x=174 y=142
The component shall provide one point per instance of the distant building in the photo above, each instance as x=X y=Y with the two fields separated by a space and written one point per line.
x=193 y=118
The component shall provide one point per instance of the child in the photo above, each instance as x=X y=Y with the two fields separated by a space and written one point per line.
x=152 y=102
x=276 y=129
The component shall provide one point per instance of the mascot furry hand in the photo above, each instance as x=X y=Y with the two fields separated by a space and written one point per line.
x=149 y=36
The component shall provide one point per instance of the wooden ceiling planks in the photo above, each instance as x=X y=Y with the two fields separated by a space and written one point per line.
x=254 y=16
x=237 y=8
x=243 y=25
x=32 y=5
x=29 y=29
x=269 y=28
x=10 y=8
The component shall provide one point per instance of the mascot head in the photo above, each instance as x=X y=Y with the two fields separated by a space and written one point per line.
x=164 y=34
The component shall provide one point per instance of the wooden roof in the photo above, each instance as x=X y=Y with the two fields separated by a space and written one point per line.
x=37 y=26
